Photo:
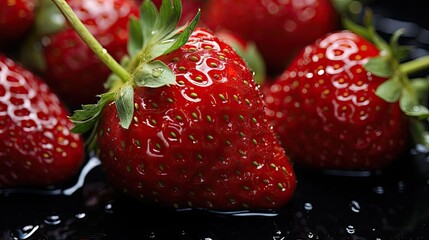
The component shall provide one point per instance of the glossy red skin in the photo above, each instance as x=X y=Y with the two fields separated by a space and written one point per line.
x=325 y=110
x=200 y=164
x=36 y=145
x=280 y=29
x=72 y=69
x=16 y=19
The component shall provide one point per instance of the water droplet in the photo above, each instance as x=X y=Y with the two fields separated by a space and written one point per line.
x=108 y=208
x=417 y=108
x=156 y=72
x=378 y=190
x=52 y=220
x=152 y=235
x=310 y=235
x=80 y=215
x=355 y=206
x=350 y=229
x=308 y=206
x=24 y=232
x=278 y=235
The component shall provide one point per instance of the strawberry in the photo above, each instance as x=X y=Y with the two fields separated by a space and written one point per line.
x=279 y=28
x=183 y=123
x=343 y=102
x=37 y=147
x=16 y=19
x=67 y=64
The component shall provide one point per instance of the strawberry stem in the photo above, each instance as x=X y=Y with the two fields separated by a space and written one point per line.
x=90 y=40
x=415 y=65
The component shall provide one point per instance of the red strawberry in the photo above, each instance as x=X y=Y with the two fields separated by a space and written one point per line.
x=36 y=145
x=16 y=19
x=336 y=105
x=186 y=126
x=68 y=64
x=279 y=28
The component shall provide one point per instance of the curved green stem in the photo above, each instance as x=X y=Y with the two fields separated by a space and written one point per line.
x=90 y=40
x=415 y=65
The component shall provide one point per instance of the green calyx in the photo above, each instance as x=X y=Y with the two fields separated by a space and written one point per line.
x=155 y=34
x=411 y=93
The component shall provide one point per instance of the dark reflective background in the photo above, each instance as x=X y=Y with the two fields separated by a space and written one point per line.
x=390 y=204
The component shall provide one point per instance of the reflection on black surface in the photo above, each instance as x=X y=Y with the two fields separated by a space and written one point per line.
x=388 y=204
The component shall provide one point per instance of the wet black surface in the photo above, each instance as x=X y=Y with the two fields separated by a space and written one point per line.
x=389 y=204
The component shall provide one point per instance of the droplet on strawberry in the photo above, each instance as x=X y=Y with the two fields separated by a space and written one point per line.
x=37 y=147
x=185 y=125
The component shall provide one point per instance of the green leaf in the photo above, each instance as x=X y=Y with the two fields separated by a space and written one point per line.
x=135 y=41
x=390 y=90
x=399 y=52
x=395 y=37
x=402 y=52
x=148 y=18
x=421 y=86
x=410 y=105
x=160 y=48
x=160 y=36
x=125 y=105
x=154 y=74
x=356 y=28
x=419 y=132
x=379 y=66
x=169 y=16
x=84 y=119
x=255 y=61
x=183 y=37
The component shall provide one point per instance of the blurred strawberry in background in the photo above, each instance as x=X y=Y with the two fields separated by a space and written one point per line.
x=278 y=28
x=37 y=147
x=16 y=19
x=56 y=52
